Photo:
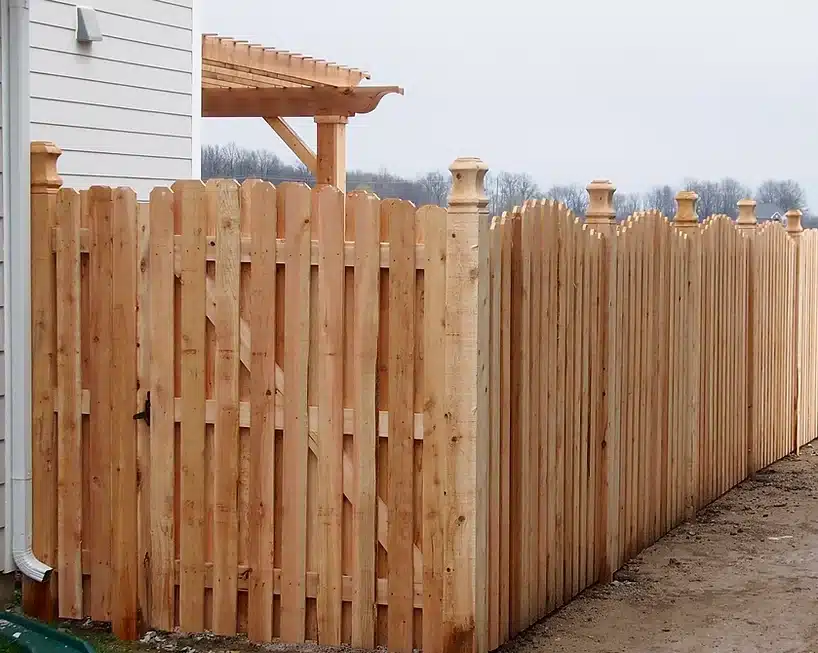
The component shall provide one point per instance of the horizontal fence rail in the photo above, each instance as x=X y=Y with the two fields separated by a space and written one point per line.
x=299 y=414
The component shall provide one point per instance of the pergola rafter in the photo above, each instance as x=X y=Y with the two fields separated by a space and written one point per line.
x=240 y=79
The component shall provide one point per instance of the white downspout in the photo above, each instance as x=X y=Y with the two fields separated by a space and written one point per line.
x=17 y=231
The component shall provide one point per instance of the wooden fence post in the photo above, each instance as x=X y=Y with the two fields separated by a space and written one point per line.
x=40 y=599
x=687 y=221
x=747 y=222
x=601 y=215
x=794 y=229
x=464 y=504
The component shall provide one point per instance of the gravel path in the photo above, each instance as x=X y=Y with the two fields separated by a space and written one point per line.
x=742 y=578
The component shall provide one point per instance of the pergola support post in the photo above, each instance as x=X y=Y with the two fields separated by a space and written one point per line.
x=331 y=156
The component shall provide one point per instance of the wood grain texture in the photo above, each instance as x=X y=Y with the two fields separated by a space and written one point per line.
x=401 y=442
x=260 y=200
x=328 y=205
x=295 y=205
x=122 y=379
x=190 y=207
x=163 y=423
x=101 y=326
x=223 y=205
x=69 y=408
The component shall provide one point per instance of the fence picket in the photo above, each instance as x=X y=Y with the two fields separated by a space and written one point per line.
x=223 y=206
x=101 y=266
x=189 y=209
x=401 y=440
x=69 y=406
x=259 y=199
x=328 y=203
x=434 y=425
x=365 y=351
x=122 y=379
x=295 y=203
x=163 y=427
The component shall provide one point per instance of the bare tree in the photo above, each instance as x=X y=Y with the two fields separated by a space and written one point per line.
x=506 y=190
x=662 y=198
x=786 y=194
x=626 y=204
x=730 y=192
x=574 y=196
x=436 y=187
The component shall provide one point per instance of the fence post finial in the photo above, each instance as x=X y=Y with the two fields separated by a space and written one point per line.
x=794 y=227
x=44 y=176
x=601 y=211
x=747 y=218
x=468 y=175
x=686 y=217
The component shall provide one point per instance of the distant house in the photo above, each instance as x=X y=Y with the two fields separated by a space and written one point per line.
x=766 y=211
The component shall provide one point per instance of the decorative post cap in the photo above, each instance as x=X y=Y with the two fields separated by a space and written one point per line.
x=794 y=227
x=747 y=218
x=686 y=217
x=468 y=175
x=44 y=177
x=601 y=210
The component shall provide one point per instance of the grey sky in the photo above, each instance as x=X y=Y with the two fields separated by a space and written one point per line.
x=640 y=91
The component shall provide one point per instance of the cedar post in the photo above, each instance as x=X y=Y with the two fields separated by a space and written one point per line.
x=331 y=151
x=794 y=229
x=687 y=221
x=747 y=222
x=40 y=599
x=601 y=215
x=464 y=503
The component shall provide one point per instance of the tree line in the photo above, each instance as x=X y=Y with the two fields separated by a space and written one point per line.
x=508 y=189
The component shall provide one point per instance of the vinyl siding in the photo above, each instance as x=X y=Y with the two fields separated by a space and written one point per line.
x=121 y=109
x=4 y=546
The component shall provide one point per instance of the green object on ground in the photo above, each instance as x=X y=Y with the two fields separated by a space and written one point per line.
x=28 y=635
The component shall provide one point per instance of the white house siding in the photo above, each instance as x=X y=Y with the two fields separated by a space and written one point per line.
x=121 y=109
x=3 y=197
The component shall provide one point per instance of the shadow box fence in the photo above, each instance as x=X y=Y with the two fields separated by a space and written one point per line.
x=296 y=414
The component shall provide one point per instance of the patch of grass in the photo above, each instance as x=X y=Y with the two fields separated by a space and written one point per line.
x=9 y=647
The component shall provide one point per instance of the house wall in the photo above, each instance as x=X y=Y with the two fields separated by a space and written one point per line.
x=121 y=109
x=3 y=198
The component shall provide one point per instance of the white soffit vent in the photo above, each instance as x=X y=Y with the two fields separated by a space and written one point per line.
x=87 y=25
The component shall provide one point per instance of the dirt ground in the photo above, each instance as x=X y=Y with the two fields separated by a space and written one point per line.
x=742 y=578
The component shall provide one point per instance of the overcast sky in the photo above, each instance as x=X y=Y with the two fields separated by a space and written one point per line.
x=641 y=91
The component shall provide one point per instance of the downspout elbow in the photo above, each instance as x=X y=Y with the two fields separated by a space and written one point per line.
x=30 y=566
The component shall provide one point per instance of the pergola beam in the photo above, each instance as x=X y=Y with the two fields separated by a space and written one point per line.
x=294 y=142
x=272 y=62
x=292 y=102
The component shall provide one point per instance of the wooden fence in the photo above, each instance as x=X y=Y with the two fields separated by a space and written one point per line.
x=289 y=477
x=302 y=415
x=637 y=372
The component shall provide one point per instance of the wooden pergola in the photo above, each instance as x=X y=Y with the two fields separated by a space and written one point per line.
x=241 y=80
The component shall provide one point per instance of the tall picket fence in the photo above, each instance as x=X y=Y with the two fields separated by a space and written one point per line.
x=637 y=372
x=311 y=416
